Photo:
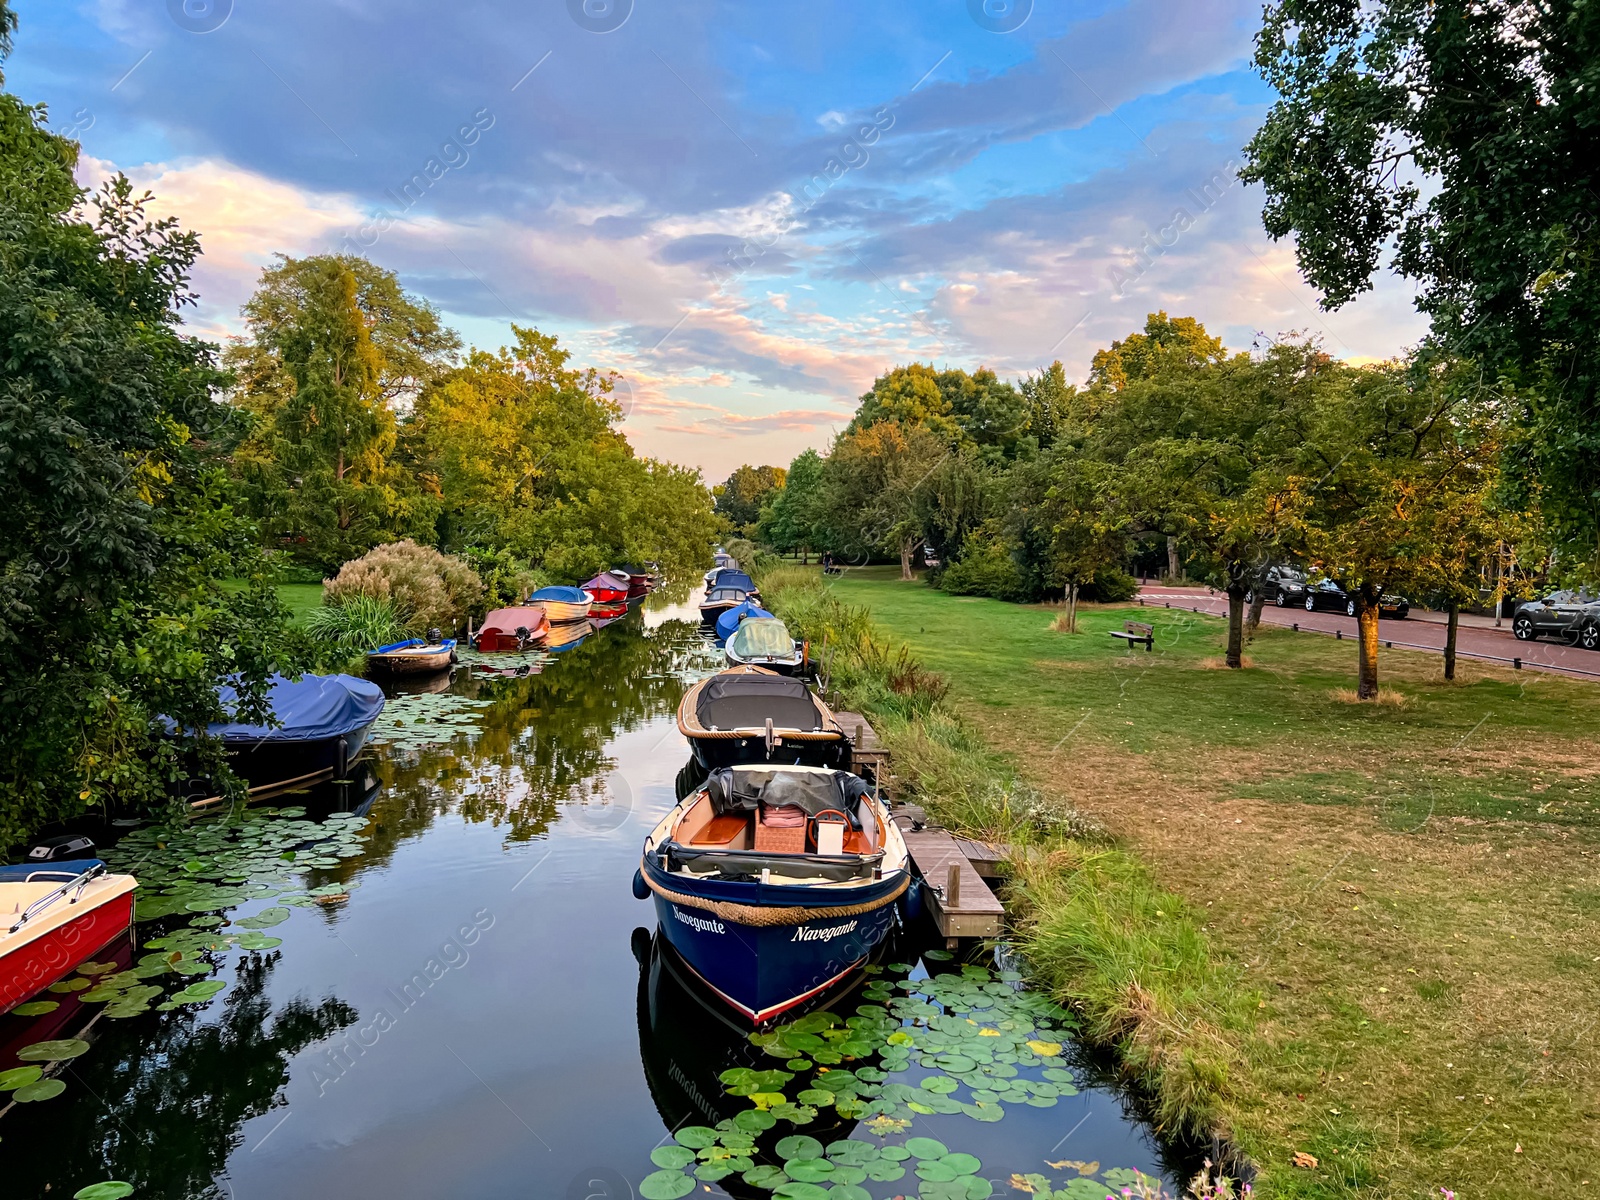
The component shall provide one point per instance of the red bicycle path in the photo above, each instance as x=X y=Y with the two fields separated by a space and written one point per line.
x=1476 y=638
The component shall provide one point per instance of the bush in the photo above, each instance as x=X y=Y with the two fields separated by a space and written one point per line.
x=425 y=587
x=986 y=568
x=1110 y=586
x=507 y=579
x=744 y=550
x=359 y=624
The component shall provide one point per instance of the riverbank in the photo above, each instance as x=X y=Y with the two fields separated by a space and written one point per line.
x=1388 y=912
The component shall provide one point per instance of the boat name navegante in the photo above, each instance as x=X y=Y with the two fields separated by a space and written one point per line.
x=703 y=924
x=826 y=934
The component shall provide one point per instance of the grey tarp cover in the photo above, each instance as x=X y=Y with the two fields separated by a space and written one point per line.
x=747 y=701
x=745 y=789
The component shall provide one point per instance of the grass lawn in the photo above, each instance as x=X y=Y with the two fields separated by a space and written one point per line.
x=300 y=597
x=1411 y=888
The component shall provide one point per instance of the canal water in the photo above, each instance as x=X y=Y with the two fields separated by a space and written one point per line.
x=466 y=1000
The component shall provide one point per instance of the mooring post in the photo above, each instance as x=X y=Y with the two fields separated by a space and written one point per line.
x=952 y=887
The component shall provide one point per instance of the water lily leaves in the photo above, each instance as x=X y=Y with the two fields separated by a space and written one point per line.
x=672 y=1158
x=809 y=1170
x=1126 y=1177
x=754 y=1120
x=940 y=1084
x=896 y=1153
x=56 y=1051
x=987 y=1112
x=17 y=1077
x=798 y=1064
x=256 y=940
x=926 y=1148
x=799 y=1145
x=764 y=1176
x=962 y=1164
x=799 y=1190
x=36 y=1008
x=197 y=992
x=1082 y=1189
x=111 y=1189
x=937 y=955
x=67 y=986
x=695 y=1137
x=848 y=1191
x=265 y=919
x=45 y=1089
x=665 y=1185
x=884 y=1171
x=96 y=968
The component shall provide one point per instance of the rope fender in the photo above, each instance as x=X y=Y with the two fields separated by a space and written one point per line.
x=766 y=916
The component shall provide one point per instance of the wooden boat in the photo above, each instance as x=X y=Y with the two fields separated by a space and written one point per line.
x=730 y=619
x=55 y=918
x=729 y=589
x=721 y=562
x=775 y=883
x=608 y=588
x=752 y=715
x=322 y=722
x=561 y=603
x=641 y=582
x=416 y=656
x=765 y=642
x=512 y=629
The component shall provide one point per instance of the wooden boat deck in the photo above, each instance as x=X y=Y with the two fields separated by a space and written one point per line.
x=958 y=899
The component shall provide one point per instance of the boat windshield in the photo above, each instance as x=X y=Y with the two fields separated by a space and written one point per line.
x=762 y=637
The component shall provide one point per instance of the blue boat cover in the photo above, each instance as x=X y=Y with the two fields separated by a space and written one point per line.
x=567 y=595
x=733 y=579
x=55 y=872
x=317 y=707
x=729 y=621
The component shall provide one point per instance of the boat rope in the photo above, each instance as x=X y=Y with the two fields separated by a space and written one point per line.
x=764 y=915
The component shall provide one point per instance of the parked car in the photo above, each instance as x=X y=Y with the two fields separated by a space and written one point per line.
x=1333 y=596
x=1283 y=586
x=1566 y=615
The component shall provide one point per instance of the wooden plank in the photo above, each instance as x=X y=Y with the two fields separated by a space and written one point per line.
x=967 y=908
x=863 y=737
x=992 y=862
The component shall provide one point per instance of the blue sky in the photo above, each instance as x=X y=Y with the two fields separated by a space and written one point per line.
x=747 y=210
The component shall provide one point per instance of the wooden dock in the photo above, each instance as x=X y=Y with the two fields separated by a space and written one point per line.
x=866 y=748
x=958 y=899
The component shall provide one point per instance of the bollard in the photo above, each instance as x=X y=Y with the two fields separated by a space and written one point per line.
x=1338 y=635
x=1517 y=663
x=1388 y=645
x=1295 y=625
x=952 y=887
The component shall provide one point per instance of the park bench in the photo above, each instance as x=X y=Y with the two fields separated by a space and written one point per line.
x=1136 y=631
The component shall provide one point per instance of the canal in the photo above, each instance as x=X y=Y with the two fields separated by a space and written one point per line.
x=459 y=996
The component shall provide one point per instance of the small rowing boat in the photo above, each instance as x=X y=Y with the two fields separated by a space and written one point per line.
x=415 y=656
x=608 y=588
x=752 y=715
x=765 y=642
x=775 y=883
x=512 y=629
x=561 y=603
x=55 y=918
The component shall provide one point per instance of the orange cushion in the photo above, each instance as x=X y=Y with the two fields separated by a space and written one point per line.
x=720 y=831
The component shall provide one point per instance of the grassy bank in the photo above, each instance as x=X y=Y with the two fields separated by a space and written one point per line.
x=1384 y=952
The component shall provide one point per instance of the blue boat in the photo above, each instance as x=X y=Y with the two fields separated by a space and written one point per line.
x=775 y=883
x=322 y=724
x=729 y=621
x=562 y=604
x=414 y=656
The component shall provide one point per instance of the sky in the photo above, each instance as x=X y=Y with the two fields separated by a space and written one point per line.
x=747 y=211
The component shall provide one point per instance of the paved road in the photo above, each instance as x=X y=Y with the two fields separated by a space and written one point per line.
x=1477 y=637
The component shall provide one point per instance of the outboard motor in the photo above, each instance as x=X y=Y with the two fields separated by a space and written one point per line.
x=435 y=635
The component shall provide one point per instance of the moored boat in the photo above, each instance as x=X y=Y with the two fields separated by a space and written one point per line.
x=641 y=582
x=774 y=883
x=415 y=656
x=607 y=588
x=729 y=620
x=322 y=722
x=728 y=589
x=561 y=603
x=568 y=635
x=54 y=919
x=752 y=715
x=765 y=642
x=515 y=628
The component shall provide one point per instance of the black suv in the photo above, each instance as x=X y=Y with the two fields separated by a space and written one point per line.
x=1569 y=616
x=1283 y=586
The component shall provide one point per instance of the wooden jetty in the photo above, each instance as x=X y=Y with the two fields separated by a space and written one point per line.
x=953 y=869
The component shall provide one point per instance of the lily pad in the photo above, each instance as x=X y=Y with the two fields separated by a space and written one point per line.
x=57 y=1051
x=926 y=1148
x=672 y=1158
x=265 y=919
x=800 y=1190
x=37 y=1008
x=764 y=1176
x=665 y=1185
x=45 y=1089
x=76 y=984
x=799 y=1146
x=111 y=1189
x=17 y=1077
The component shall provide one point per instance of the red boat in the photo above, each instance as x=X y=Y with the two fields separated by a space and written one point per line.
x=55 y=918
x=608 y=588
x=640 y=581
x=512 y=629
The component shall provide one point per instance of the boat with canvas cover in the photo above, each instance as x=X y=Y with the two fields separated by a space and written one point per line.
x=641 y=581
x=729 y=621
x=753 y=715
x=765 y=642
x=512 y=629
x=561 y=603
x=775 y=883
x=54 y=918
x=415 y=656
x=321 y=724
x=607 y=588
x=728 y=590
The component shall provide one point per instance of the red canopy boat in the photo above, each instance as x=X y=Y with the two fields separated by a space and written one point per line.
x=608 y=588
x=53 y=919
x=512 y=629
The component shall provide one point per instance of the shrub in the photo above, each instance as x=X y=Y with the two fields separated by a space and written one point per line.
x=360 y=623
x=425 y=587
x=744 y=550
x=986 y=568
x=1110 y=586
x=507 y=579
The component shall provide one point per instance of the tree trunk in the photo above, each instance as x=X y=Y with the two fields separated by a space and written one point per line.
x=905 y=559
x=1172 y=559
x=1499 y=581
x=1450 y=640
x=805 y=556
x=1252 y=620
x=1072 y=608
x=1236 y=592
x=1367 y=619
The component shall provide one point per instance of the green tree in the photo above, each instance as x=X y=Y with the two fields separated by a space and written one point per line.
x=334 y=345
x=878 y=485
x=1457 y=139
x=1167 y=343
x=793 y=517
x=741 y=496
x=120 y=525
x=976 y=408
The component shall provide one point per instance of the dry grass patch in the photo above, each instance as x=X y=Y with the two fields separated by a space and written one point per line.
x=1386 y=697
